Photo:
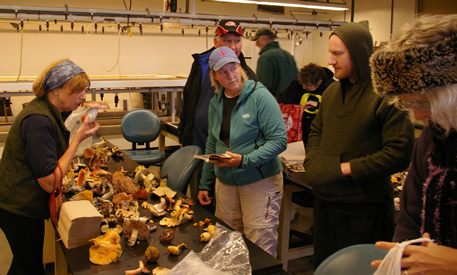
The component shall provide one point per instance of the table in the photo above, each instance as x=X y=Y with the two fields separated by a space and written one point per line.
x=168 y=129
x=77 y=259
x=293 y=182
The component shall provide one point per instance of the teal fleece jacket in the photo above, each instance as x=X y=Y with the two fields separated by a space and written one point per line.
x=256 y=118
x=276 y=68
x=355 y=125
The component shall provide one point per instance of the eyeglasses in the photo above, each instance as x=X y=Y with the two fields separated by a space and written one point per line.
x=305 y=86
x=424 y=106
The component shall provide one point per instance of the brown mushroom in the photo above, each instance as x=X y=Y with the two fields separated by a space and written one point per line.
x=167 y=236
x=136 y=229
x=152 y=254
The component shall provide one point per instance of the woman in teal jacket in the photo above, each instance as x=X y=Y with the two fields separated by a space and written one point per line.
x=246 y=123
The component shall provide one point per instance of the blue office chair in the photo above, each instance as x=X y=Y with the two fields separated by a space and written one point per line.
x=355 y=259
x=180 y=166
x=142 y=126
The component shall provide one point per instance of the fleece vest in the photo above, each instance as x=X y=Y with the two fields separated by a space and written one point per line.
x=20 y=192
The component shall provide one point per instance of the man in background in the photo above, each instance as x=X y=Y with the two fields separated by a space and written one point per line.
x=306 y=90
x=357 y=141
x=276 y=68
x=193 y=125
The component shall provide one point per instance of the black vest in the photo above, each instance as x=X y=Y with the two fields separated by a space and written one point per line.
x=20 y=192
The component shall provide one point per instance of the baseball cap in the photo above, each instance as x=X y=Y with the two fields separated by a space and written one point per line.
x=221 y=56
x=228 y=26
x=263 y=31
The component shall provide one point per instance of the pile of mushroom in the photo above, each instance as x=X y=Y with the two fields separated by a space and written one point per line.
x=179 y=215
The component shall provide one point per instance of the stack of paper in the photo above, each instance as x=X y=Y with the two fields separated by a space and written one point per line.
x=79 y=222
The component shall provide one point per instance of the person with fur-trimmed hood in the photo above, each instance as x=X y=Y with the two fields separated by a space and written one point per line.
x=357 y=141
x=417 y=71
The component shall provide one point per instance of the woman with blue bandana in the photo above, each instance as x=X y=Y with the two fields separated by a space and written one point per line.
x=37 y=154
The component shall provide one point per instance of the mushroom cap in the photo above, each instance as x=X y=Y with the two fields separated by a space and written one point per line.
x=143 y=229
x=106 y=248
x=96 y=105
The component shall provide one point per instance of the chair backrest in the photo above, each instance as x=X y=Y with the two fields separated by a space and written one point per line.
x=140 y=126
x=355 y=259
x=179 y=167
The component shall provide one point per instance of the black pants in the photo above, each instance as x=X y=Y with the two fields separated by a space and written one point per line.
x=334 y=230
x=195 y=182
x=25 y=237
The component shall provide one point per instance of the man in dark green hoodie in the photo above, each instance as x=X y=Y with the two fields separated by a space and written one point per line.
x=357 y=141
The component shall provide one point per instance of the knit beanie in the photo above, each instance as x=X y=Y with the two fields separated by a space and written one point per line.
x=359 y=42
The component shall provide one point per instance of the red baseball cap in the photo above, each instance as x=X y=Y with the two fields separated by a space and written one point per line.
x=229 y=26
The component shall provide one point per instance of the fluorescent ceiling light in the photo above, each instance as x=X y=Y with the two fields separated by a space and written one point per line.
x=291 y=4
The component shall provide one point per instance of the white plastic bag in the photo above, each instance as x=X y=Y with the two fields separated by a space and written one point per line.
x=73 y=122
x=391 y=264
x=192 y=264
x=226 y=253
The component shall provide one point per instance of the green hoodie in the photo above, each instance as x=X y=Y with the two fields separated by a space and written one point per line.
x=365 y=130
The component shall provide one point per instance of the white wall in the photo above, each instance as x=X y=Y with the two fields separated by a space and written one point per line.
x=167 y=52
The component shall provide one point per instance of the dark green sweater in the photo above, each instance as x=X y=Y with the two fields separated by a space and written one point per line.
x=276 y=68
x=20 y=192
x=357 y=126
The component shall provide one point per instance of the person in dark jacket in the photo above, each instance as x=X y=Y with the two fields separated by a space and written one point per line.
x=417 y=71
x=357 y=141
x=193 y=124
x=276 y=67
x=37 y=154
x=307 y=90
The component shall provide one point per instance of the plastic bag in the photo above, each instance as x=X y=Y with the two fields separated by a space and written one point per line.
x=73 y=122
x=391 y=264
x=192 y=264
x=225 y=253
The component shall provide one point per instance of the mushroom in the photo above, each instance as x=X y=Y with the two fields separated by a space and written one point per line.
x=206 y=236
x=108 y=222
x=176 y=250
x=164 y=190
x=94 y=107
x=148 y=179
x=106 y=248
x=122 y=183
x=157 y=209
x=83 y=195
x=160 y=271
x=78 y=165
x=127 y=209
x=178 y=216
x=167 y=236
x=152 y=254
x=136 y=229
x=141 y=269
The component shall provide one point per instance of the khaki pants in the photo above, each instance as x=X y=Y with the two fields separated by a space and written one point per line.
x=252 y=209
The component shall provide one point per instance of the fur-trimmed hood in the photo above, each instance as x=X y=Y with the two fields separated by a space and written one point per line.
x=414 y=69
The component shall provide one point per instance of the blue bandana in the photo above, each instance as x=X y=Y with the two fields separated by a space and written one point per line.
x=60 y=74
